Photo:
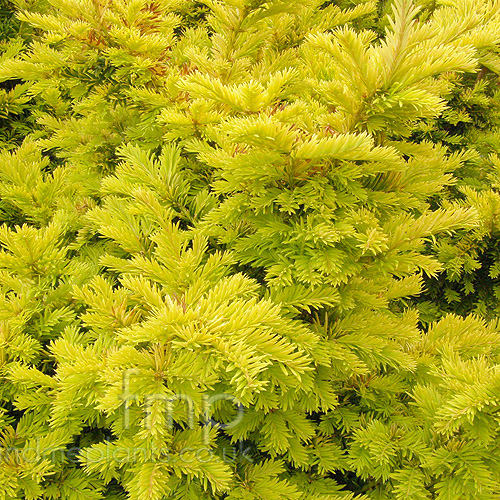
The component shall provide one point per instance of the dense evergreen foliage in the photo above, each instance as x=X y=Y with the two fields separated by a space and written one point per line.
x=249 y=250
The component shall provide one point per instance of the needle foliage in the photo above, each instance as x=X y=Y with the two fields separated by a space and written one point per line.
x=249 y=250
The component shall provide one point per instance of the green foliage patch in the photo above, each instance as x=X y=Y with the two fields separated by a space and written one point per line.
x=249 y=250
